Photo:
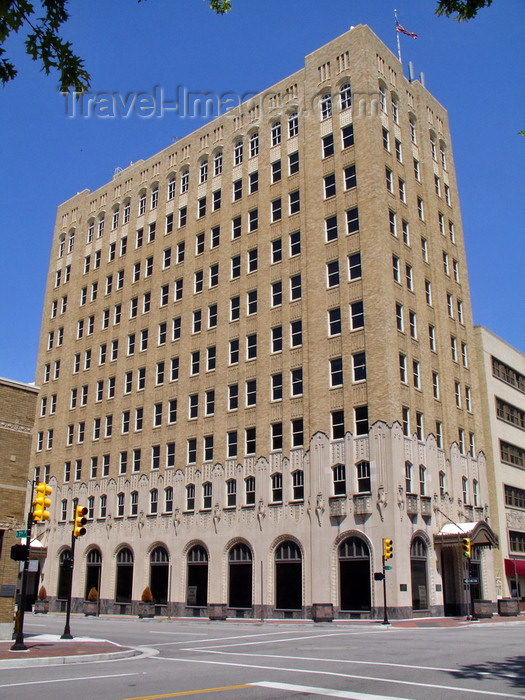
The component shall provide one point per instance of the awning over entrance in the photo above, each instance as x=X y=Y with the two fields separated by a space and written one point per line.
x=515 y=566
x=480 y=533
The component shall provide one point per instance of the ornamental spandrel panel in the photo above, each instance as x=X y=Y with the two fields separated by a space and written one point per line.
x=360 y=393
x=276 y=461
x=362 y=449
x=338 y=452
x=426 y=506
x=515 y=519
x=336 y=397
x=275 y=514
x=362 y=504
x=296 y=511
x=338 y=506
x=296 y=459
x=412 y=504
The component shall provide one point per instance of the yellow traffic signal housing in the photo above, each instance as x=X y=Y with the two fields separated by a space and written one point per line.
x=41 y=502
x=388 y=548
x=466 y=547
x=80 y=521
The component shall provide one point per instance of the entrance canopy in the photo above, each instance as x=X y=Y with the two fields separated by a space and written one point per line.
x=514 y=566
x=480 y=533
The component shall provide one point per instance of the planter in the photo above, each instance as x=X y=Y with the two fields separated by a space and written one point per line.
x=507 y=607
x=90 y=608
x=217 y=611
x=41 y=607
x=322 y=612
x=483 y=608
x=146 y=610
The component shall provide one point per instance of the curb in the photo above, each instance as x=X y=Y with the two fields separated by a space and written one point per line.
x=77 y=659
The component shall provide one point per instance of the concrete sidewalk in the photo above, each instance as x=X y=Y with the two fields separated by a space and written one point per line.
x=47 y=649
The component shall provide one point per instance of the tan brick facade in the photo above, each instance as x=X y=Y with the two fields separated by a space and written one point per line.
x=251 y=339
x=17 y=414
x=502 y=377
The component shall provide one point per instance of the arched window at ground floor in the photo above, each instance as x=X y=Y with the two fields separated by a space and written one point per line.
x=124 y=577
x=354 y=575
x=64 y=575
x=93 y=571
x=159 y=568
x=197 y=591
x=240 y=572
x=418 y=574
x=288 y=577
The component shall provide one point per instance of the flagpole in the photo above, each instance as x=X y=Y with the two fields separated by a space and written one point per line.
x=398 y=41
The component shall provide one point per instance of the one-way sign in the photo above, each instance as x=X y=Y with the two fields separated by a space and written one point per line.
x=470 y=580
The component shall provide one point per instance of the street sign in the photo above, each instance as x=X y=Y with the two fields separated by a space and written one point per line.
x=387 y=568
x=470 y=580
x=21 y=533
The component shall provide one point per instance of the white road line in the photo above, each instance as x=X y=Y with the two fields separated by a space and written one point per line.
x=326 y=692
x=355 y=661
x=345 y=675
x=178 y=634
x=241 y=636
x=67 y=680
x=271 y=641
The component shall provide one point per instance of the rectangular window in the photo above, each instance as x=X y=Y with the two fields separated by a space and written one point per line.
x=253 y=182
x=293 y=163
x=251 y=346
x=332 y=273
x=296 y=333
x=297 y=432
x=251 y=441
x=277 y=387
x=276 y=210
x=347 y=136
x=331 y=228
x=236 y=227
x=357 y=315
x=237 y=190
x=350 y=177
x=329 y=185
x=359 y=366
x=294 y=202
x=328 y=145
x=334 y=321
x=336 y=371
x=354 y=267
x=234 y=351
x=232 y=444
x=253 y=220
x=295 y=287
x=352 y=220
x=276 y=171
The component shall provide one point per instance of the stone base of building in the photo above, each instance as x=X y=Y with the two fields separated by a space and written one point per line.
x=6 y=630
x=317 y=612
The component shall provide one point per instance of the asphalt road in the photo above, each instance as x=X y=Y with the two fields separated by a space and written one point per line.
x=252 y=661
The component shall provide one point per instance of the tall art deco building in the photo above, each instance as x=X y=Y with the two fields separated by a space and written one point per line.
x=255 y=362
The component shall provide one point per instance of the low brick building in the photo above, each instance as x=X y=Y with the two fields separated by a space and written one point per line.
x=17 y=412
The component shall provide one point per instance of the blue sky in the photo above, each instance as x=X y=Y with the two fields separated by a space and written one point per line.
x=474 y=69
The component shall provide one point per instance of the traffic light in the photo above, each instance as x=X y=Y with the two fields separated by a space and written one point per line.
x=20 y=552
x=41 y=502
x=80 y=521
x=388 y=549
x=466 y=547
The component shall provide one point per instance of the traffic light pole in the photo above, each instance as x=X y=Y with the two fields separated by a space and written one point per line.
x=19 y=641
x=66 y=634
x=385 y=613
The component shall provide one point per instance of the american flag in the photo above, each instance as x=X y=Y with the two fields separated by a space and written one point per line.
x=402 y=30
